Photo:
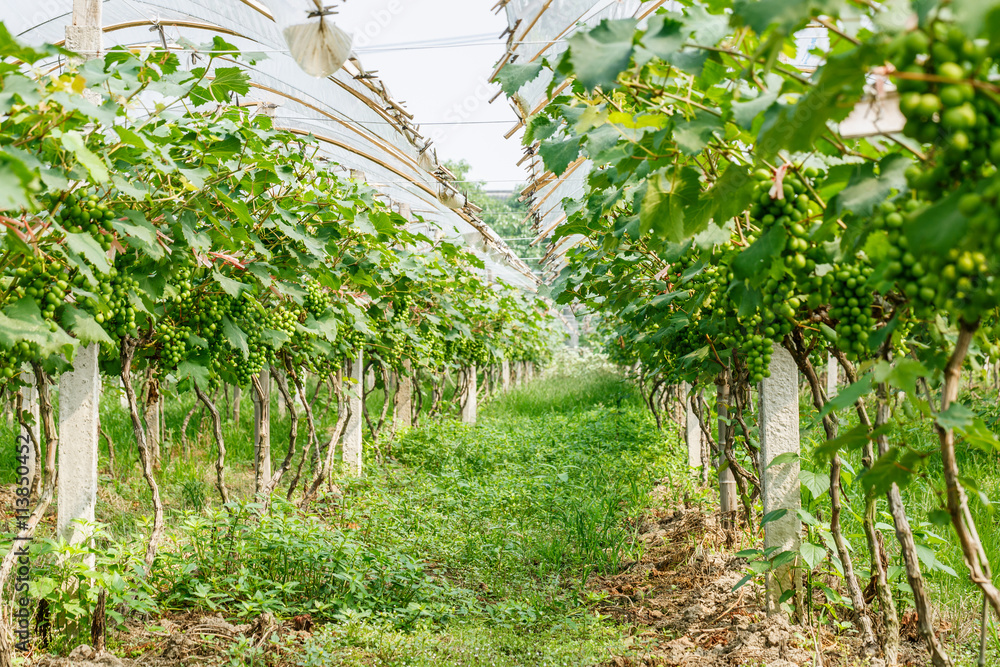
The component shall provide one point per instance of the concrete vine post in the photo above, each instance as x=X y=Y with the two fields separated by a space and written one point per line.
x=80 y=390
x=727 y=480
x=79 y=417
x=354 y=428
x=261 y=385
x=779 y=435
x=402 y=413
x=692 y=429
x=402 y=402
x=470 y=396
x=832 y=375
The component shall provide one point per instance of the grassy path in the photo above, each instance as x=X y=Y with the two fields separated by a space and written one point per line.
x=511 y=517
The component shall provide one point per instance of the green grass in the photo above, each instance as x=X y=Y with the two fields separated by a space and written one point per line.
x=515 y=513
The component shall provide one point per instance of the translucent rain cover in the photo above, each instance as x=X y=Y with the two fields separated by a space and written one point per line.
x=354 y=122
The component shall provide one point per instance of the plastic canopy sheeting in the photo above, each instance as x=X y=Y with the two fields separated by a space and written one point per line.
x=359 y=126
x=544 y=27
x=540 y=28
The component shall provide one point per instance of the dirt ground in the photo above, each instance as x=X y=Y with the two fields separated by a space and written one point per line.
x=680 y=602
x=184 y=640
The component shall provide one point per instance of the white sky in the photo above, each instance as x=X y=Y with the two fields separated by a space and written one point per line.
x=443 y=85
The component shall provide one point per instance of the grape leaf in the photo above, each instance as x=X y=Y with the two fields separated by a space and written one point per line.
x=16 y=182
x=785 y=15
x=753 y=260
x=233 y=288
x=514 y=75
x=731 y=194
x=139 y=233
x=957 y=416
x=668 y=196
x=972 y=14
x=773 y=515
x=664 y=36
x=198 y=372
x=599 y=56
x=83 y=326
x=692 y=136
x=745 y=113
x=902 y=374
x=838 y=87
x=235 y=336
x=23 y=321
x=85 y=245
x=73 y=142
x=867 y=189
x=848 y=396
x=558 y=155
x=935 y=229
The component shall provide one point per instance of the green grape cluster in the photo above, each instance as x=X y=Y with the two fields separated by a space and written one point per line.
x=756 y=351
x=390 y=346
x=402 y=308
x=13 y=359
x=352 y=340
x=943 y=77
x=86 y=214
x=851 y=307
x=317 y=300
x=282 y=319
x=44 y=280
x=432 y=349
x=908 y=272
x=936 y=67
x=785 y=293
x=792 y=210
x=468 y=351
x=48 y=283
x=781 y=304
x=113 y=309
x=173 y=344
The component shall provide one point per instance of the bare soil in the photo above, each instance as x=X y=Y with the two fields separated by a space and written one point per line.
x=183 y=640
x=680 y=602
